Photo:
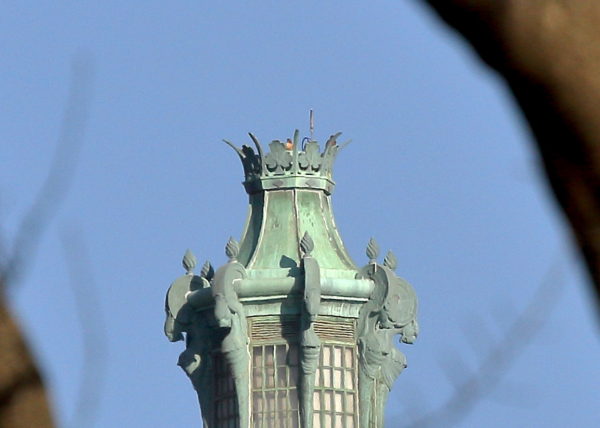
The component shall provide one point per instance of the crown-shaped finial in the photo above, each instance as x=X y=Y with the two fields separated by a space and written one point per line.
x=289 y=164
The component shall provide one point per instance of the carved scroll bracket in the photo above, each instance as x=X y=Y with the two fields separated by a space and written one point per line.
x=390 y=311
x=182 y=319
x=204 y=329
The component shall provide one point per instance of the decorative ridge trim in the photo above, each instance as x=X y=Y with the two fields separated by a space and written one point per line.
x=310 y=344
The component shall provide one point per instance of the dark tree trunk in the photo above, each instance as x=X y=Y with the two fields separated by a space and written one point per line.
x=23 y=401
x=548 y=51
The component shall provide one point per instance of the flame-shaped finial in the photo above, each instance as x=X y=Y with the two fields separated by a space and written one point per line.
x=307 y=244
x=189 y=261
x=390 y=260
x=232 y=249
x=372 y=250
x=207 y=271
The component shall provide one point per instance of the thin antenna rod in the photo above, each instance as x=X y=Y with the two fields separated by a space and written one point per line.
x=312 y=124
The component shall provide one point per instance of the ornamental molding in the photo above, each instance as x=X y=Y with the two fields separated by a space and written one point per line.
x=302 y=160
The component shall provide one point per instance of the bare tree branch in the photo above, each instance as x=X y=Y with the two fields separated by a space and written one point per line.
x=59 y=177
x=471 y=389
x=548 y=52
x=91 y=322
x=23 y=400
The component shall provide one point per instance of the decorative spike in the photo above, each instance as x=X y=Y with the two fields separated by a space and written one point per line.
x=307 y=244
x=236 y=148
x=332 y=140
x=232 y=249
x=189 y=261
x=390 y=260
x=290 y=157
x=344 y=144
x=372 y=250
x=207 y=271
x=295 y=148
x=260 y=152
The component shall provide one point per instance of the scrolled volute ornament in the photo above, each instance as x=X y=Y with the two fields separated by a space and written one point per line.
x=182 y=319
x=390 y=311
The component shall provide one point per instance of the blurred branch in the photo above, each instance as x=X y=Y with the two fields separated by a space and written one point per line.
x=471 y=389
x=59 y=177
x=92 y=325
x=548 y=52
x=23 y=400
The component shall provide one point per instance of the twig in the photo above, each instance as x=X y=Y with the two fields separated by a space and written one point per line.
x=91 y=322
x=501 y=356
x=59 y=177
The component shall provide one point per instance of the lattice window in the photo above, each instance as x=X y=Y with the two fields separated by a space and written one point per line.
x=274 y=380
x=275 y=373
x=226 y=406
x=334 y=399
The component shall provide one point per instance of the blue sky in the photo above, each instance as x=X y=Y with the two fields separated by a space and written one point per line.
x=441 y=170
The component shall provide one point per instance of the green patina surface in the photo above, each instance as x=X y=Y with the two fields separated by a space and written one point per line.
x=314 y=215
x=279 y=221
x=252 y=228
x=291 y=261
x=276 y=221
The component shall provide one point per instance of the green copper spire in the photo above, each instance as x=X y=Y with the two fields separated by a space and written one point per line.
x=289 y=332
x=289 y=189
